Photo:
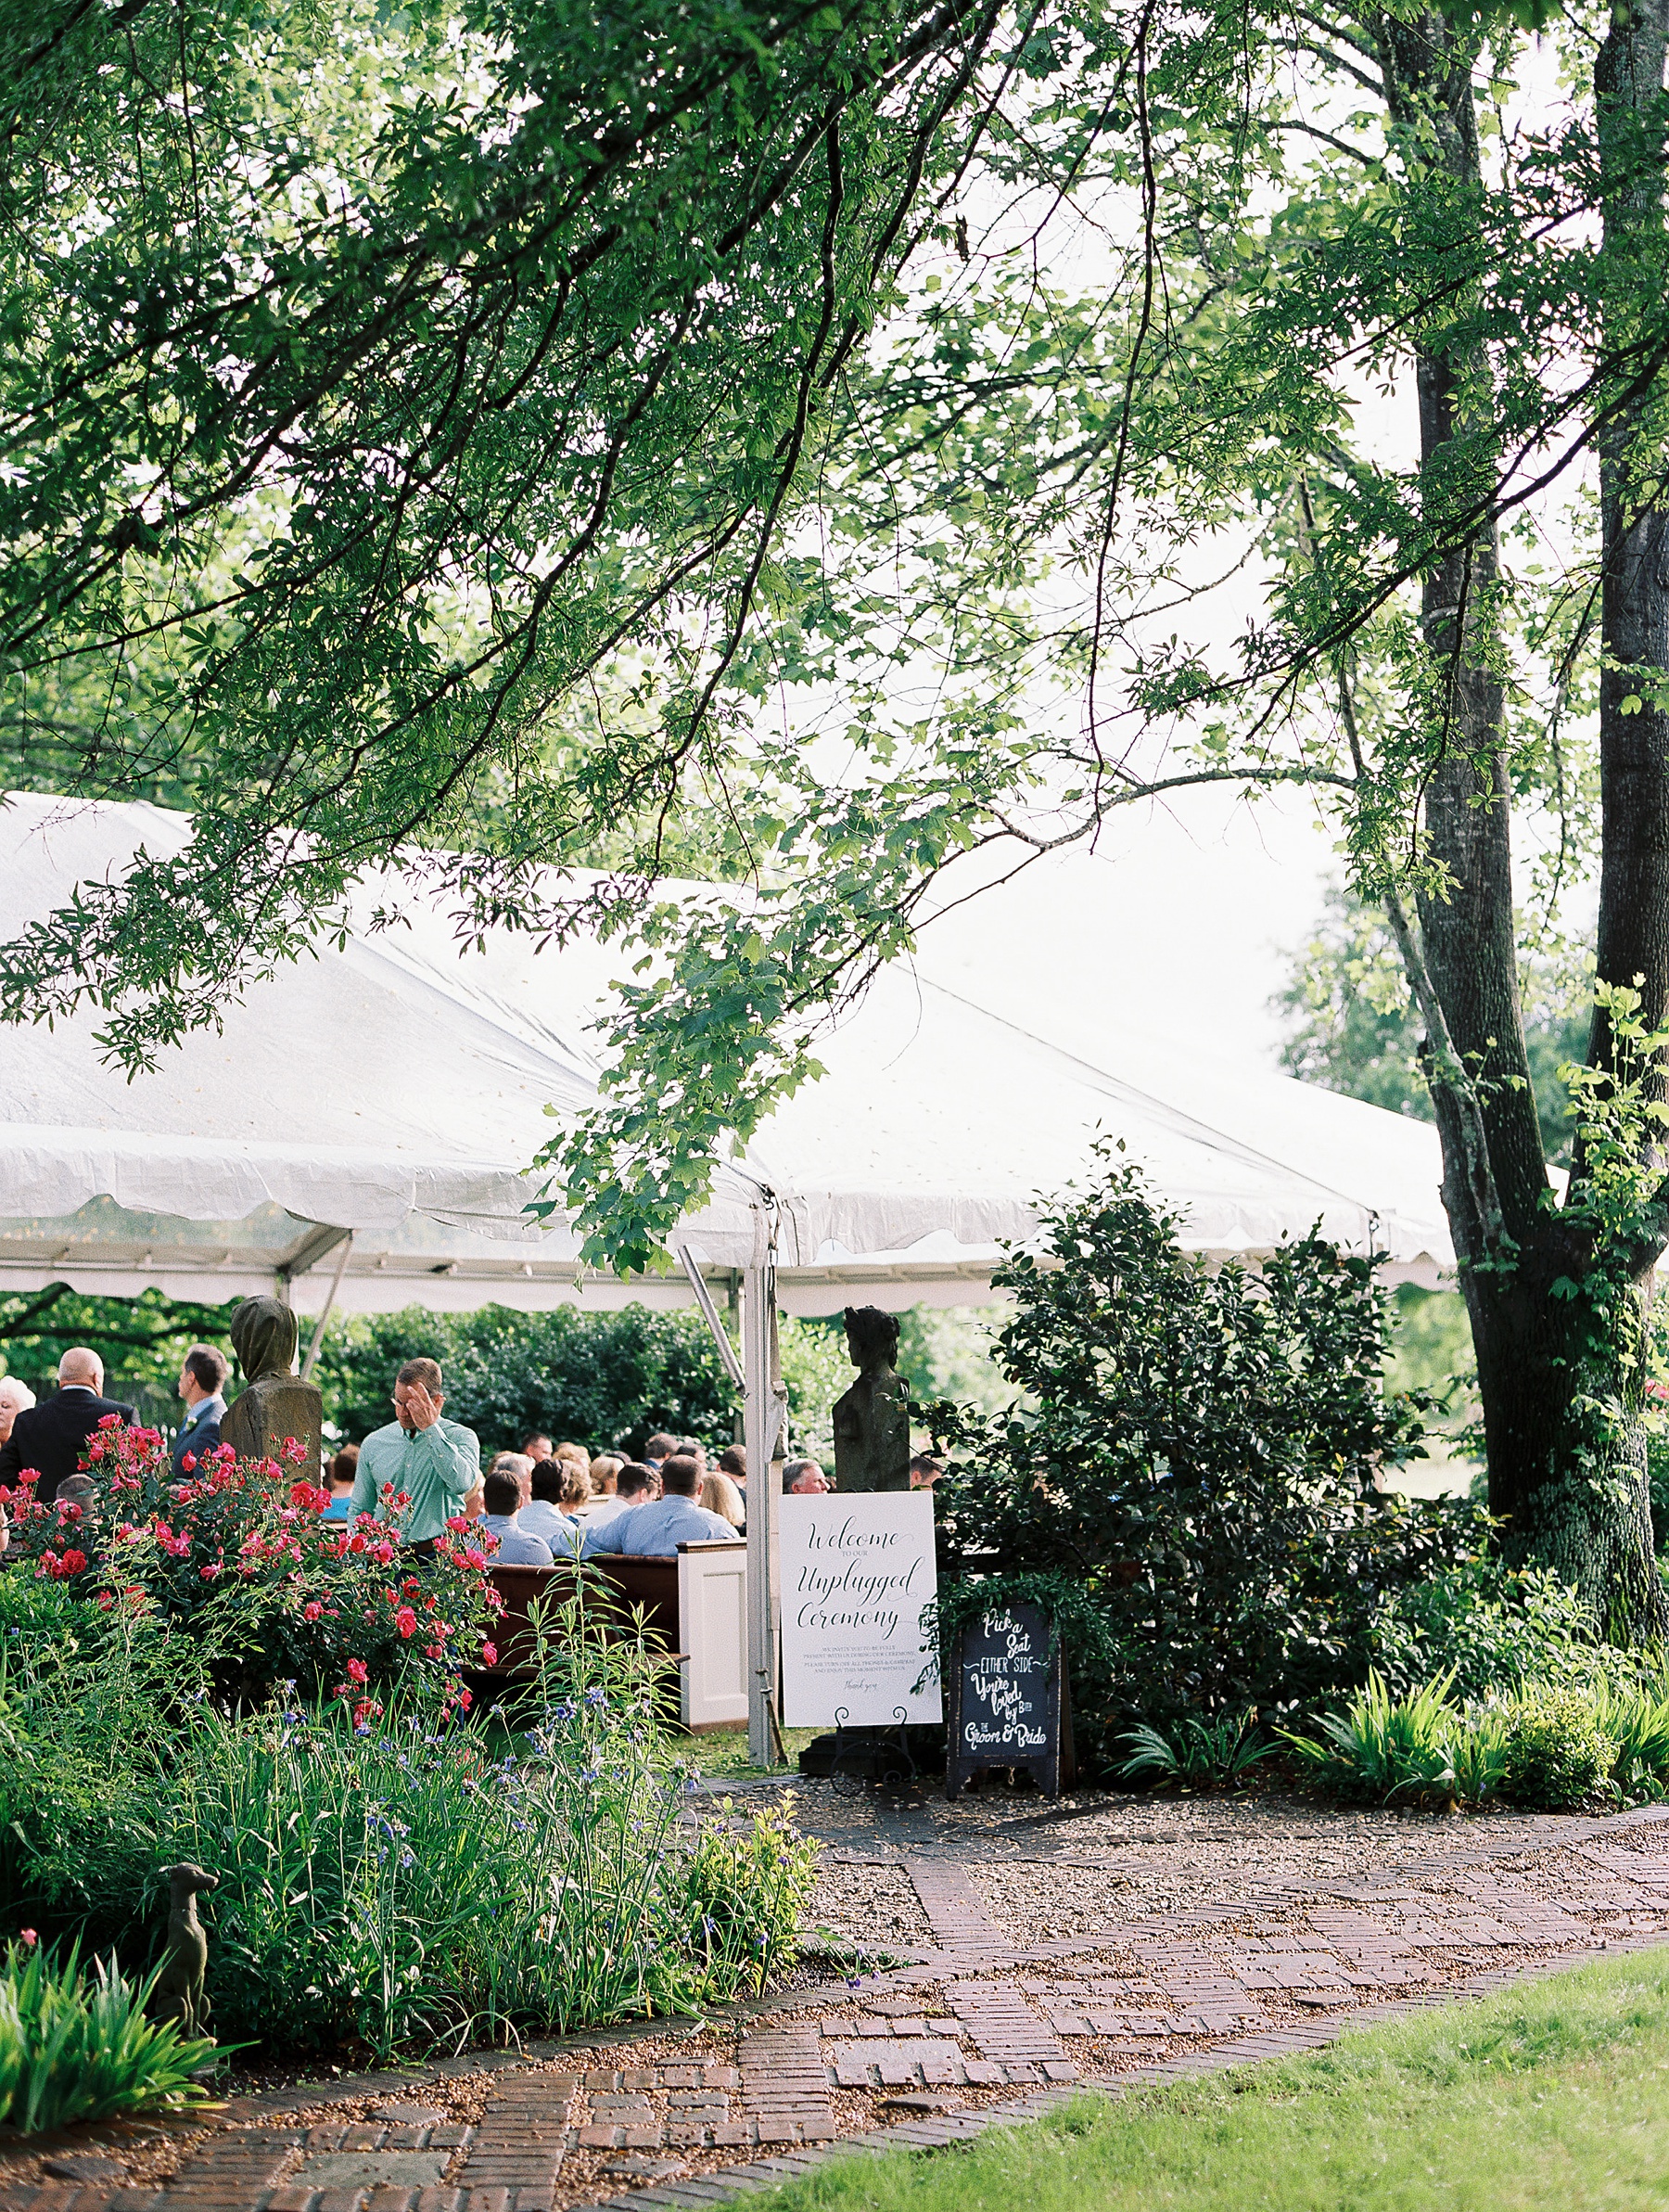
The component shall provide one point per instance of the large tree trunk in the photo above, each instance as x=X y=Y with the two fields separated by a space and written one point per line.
x=1606 y=1457
x=1567 y=1487
x=1634 y=726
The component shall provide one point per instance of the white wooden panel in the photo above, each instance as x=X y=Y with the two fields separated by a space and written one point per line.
x=712 y=1628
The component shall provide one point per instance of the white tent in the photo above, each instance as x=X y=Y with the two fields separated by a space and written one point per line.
x=360 y=1130
x=397 y=1090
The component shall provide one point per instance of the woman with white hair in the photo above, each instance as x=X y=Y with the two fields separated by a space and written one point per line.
x=14 y=1397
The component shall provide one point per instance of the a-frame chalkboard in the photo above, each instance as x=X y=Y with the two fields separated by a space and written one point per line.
x=1007 y=1704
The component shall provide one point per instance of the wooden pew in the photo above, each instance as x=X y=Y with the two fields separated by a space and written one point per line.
x=693 y=1609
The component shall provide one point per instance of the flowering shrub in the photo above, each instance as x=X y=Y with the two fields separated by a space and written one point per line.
x=236 y=1551
x=387 y=1880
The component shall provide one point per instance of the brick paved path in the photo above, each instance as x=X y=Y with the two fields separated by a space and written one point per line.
x=979 y=2025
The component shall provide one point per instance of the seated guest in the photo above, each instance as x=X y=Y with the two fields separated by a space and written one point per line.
x=604 y=1471
x=202 y=1386
x=578 y=1458
x=501 y=1521
x=635 y=1485
x=518 y=1464
x=543 y=1515
x=732 y=1461
x=537 y=1447
x=78 y=1499
x=47 y=1440
x=339 y=1473
x=659 y=1447
x=804 y=1478
x=656 y=1531
x=576 y=1485
x=925 y=1471
x=14 y=1397
x=720 y=1495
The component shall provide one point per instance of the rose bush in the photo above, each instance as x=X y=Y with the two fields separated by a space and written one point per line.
x=235 y=1550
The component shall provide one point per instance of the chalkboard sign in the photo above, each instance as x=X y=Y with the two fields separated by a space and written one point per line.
x=1008 y=1700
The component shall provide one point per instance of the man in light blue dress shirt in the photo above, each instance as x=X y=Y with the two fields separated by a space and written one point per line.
x=656 y=1531
x=543 y=1515
x=501 y=1521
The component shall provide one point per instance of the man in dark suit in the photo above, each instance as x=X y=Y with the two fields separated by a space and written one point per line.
x=50 y=1438
x=202 y=1380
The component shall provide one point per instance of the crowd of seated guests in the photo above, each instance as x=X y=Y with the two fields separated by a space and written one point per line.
x=553 y=1500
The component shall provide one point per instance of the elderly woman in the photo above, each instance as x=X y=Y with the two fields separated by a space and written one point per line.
x=14 y=1397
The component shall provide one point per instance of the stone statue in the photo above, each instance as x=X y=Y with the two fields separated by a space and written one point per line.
x=274 y=1402
x=179 y=1995
x=872 y=1420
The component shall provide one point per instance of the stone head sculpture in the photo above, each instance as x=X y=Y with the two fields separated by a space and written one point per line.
x=872 y=1420
x=263 y=1336
x=871 y=1337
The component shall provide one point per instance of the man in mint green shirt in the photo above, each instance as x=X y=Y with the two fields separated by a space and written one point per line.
x=436 y=1463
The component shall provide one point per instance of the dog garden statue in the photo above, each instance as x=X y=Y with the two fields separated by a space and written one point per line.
x=179 y=1991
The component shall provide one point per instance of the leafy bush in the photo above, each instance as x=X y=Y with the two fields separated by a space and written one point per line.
x=1491 y=1628
x=1557 y=1753
x=1201 y=1463
x=601 y=1378
x=237 y=1551
x=89 y=1709
x=397 y=1879
x=78 y=2047
x=1195 y=1751
x=1546 y=1745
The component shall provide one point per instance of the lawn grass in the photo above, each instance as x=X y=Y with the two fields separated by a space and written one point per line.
x=1554 y=2094
x=723 y=1751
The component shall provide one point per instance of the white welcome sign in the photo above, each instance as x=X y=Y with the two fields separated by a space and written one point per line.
x=858 y=1572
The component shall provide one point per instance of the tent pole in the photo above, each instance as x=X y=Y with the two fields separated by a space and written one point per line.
x=761 y=1408
x=709 y=1313
x=335 y=1284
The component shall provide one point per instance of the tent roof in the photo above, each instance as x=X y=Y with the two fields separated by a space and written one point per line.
x=396 y=1088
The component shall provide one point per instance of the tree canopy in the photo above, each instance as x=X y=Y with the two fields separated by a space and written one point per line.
x=812 y=445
